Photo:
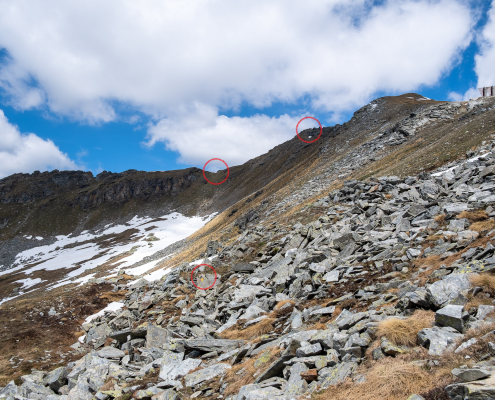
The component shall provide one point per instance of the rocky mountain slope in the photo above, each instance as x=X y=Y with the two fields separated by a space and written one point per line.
x=334 y=277
x=393 y=276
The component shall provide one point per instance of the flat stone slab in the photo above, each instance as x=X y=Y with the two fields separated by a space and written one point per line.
x=323 y=311
x=121 y=336
x=243 y=267
x=471 y=374
x=206 y=374
x=477 y=390
x=110 y=352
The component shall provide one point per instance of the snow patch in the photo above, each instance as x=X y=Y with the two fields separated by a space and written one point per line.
x=112 y=307
x=166 y=230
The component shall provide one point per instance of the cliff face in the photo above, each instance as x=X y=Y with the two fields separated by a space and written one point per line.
x=88 y=192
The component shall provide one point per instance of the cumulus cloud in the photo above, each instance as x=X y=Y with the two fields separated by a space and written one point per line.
x=86 y=59
x=28 y=152
x=201 y=134
x=159 y=55
x=485 y=60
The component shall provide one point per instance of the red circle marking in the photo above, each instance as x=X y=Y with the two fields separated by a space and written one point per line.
x=213 y=183
x=305 y=141
x=209 y=287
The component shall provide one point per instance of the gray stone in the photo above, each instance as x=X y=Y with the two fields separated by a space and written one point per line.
x=56 y=379
x=350 y=320
x=389 y=348
x=156 y=336
x=311 y=350
x=438 y=340
x=415 y=397
x=243 y=267
x=332 y=276
x=470 y=374
x=255 y=392
x=110 y=352
x=168 y=394
x=449 y=290
x=324 y=337
x=477 y=390
x=122 y=335
x=337 y=374
x=323 y=311
x=206 y=374
x=98 y=335
x=483 y=311
x=450 y=316
x=172 y=371
x=246 y=292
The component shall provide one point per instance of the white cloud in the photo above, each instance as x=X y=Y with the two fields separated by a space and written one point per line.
x=163 y=58
x=471 y=93
x=28 y=152
x=485 y=60
x=159 y=55
x=201 y=134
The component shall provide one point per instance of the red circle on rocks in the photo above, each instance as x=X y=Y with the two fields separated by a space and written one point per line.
x=213 y=183
x=209 y=287
x=297 y=130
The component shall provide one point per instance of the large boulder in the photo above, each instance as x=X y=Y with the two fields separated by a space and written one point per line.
x=56 y=379
x=450 y=290
x=477 y=390
x=450 y=315
x=438 y=340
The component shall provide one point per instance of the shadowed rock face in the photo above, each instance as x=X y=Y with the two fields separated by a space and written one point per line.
x=92 y=191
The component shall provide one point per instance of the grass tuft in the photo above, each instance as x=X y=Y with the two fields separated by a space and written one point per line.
x=405 y=331
x=261 y=328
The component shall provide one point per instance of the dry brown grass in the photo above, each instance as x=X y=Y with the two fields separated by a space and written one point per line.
x=482 y=226
x=388 y=196
x=478 y=301
x=485 y=281
x=388 y=379
x=283 y=302
x=440 y=219
x=473 y=216
x=405 y=332
x=261 y=328
x=235 y=382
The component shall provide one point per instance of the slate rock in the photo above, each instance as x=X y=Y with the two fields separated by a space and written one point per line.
x=323 y=311
x=56 y=378
x=470 y=374
x=450 y=315
x=483 y=311
x=243 y=267
x=337 y=374
x=308 y=351
x=110 y=352
x=389 y=348
x=477 y=390
x=449 y=290
x=438 y=340
x=324 y=337
x=206 y=374
x=172 y=371
x=156 y=336
x=168 y=394
x=255 y=392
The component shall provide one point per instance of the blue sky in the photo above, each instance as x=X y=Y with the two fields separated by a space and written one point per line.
x=168 y=85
